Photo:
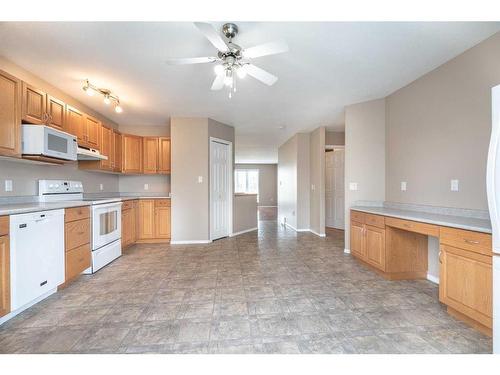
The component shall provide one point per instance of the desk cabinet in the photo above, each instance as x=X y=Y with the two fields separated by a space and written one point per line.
x=368 y=241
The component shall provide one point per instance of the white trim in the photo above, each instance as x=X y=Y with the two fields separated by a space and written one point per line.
x=317 y=234
x=190 y=242
x=333 y=147
x=347 y=251
x=243 y=231
x=12 y=314
x=290 y=226
x=230 y=194
x=433 y=279
x=267 y=206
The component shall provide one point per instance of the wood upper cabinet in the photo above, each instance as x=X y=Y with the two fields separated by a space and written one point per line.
x=107 y=149
x=93 y=131
x=117 y=145
x=34 y=105
x=150 y=155
x=10 y=115
x=56 y=113
x=466 y=283
x=132 y=153
x=375 y=246
x=164 y=155
x=75 y=123
x=146 y=219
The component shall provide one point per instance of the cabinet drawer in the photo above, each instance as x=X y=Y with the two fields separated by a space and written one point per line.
x=76 y=233
x=77 y=261
x=162 y=202
x=413 y=226
x=375 y=220
x=127 y=205
x=467 y=240
x=77 y=213
x=4 y=225
x=358 y=216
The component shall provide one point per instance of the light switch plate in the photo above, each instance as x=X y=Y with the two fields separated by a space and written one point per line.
x=403 y=185
x=353 y=186
x=8 y=185
x=146 y=186
x=313 y=187
x=454 y=185
x=200 y=179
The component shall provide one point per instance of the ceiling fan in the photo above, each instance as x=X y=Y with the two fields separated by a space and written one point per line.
x=233 y=60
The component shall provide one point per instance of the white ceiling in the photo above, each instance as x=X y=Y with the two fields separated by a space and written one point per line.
x=329 y=65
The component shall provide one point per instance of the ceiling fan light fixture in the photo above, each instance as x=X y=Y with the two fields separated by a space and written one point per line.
x=228 y=79
x=118 y=108
x=219 y=69
x=242 y=72
x=106 y=99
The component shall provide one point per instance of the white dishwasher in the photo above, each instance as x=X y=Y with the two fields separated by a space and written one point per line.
x=37 y=255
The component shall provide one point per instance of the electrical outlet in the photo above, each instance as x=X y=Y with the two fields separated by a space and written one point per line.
x=8 y=185
x=353 y=186
x=403 y=185
x=454 y=185
x=313 y=187
x=101 y=187
x=146 y=186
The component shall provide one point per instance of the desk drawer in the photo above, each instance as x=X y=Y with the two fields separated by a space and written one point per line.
x=375 y=220
x=77 y=261
x=413 y=226
x=77 y=213
x=358 y=216
x=467 y=240
x=127 y=205
x=76 y=233
x=162 y=202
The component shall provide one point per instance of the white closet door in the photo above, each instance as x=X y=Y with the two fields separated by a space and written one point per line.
x=338 y=161
x=329 y=190
x=220 y=164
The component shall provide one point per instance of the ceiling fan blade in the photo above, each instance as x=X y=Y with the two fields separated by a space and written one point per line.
x=271 y=48
x=212 y=35
x=218 y=82
x=190 y=60
x=261 y=74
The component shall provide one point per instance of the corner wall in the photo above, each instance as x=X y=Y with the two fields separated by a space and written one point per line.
x=364 y=155
x=317 y=181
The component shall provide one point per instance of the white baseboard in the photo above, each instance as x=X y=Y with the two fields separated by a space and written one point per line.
x=12 y=314
x=433 y=278
x=305 y=230
x=243 y=231
x=267 y=206
x=347 y=251
x=302 y=230
x=317 y=234
x=190 y=242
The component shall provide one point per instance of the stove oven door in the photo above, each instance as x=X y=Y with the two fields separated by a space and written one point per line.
x=106 y=224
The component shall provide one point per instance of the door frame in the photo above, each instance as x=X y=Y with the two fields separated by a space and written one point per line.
x=230 y=186
x=333 y=148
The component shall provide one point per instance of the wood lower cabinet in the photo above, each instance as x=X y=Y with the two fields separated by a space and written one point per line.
x=466 y=283
x=375 y=246
x=10 y=115
x=129 y=213
x=131 y=154
x=153 y=220
x=77 y=229
x=4 y=266
x=358 y=240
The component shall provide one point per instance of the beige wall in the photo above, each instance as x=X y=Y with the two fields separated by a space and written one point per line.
x=335 y=138
x=287 y=182
x=317 y=180
x=25 y=178
x=438 y=129
x=364 y=154
x=245 y=213
x=268 y=178
x=303 y=181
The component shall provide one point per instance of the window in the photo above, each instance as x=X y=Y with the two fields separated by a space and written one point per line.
x=246 y=181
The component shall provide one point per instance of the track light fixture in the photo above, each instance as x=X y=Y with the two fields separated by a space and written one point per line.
x=108 y=96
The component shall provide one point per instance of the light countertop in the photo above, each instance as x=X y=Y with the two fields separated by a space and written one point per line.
x=23 y=208
x=461 y=222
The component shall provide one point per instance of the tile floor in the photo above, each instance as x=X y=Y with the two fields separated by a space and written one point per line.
x=274 y=291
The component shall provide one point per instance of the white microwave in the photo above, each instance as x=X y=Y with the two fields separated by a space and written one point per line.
x=50 y=142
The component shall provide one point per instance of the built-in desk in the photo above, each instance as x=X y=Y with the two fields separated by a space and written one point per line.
x=396 y=247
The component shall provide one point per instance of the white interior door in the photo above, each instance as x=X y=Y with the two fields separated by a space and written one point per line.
x=334 y=188
x=220 y=189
